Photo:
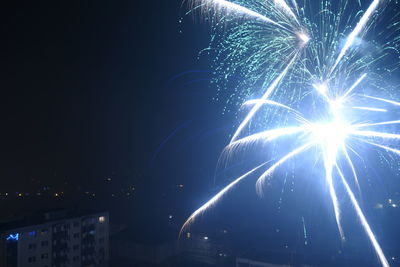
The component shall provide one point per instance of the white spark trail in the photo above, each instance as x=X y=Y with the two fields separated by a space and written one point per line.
x=296 y=6
x=216 y=198
x=229 y=6
x=354 y=86
x=330 y=154
x=297 y=114
x=371 y=109
x=396 y=151
x=375 y=134
x=364 y=221
x=383 y=100
x=266 y=95
x=267 y=102
x=261 y=180
x=322 y=89
x=353 y=169
x=335 y=201
x=376 y=124
x=268 y=135
x=357 y=30
x=282 y=4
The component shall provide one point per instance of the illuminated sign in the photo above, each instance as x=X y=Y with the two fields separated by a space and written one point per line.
x=13 y=237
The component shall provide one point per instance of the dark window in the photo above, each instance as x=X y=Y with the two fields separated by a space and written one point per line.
x=32 y=259
x=76 y=224
x=32 y=246
x=45 y=243
x=75 y=247
x=45 y=256
x=76 y=235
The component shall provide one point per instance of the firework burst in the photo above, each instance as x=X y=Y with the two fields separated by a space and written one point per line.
x=321 y=83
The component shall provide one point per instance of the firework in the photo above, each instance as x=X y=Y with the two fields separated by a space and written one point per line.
x=309 y=60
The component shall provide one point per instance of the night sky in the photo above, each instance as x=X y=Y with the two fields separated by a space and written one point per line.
x=94 y=88
x=99 y=89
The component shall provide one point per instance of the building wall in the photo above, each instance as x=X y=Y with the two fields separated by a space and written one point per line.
x=73 y=242
x=35 y=244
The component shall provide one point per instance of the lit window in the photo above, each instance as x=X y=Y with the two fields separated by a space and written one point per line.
x=206 y=238
x=188 y=235
x=102 y=219
x=32 y=233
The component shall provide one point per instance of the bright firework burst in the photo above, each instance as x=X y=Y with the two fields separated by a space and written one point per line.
x=311 y=62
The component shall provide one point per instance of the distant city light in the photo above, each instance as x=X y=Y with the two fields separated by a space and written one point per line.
x=206 y=238
x=102 y=219
x=170 y=216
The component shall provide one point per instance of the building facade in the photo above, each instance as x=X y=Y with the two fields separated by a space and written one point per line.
x=77 y=241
